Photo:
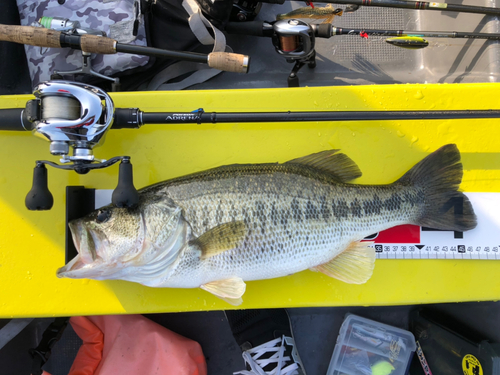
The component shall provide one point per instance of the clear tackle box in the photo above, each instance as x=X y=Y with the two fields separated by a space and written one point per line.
x=366 y=347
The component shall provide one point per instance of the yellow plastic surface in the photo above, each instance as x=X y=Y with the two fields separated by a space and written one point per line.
x=32 y=243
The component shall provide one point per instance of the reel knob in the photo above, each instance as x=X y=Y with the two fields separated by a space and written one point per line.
x=125 y=194
x=39 y=198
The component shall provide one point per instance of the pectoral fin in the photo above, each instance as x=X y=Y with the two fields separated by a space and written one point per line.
x=229 y=290
x=223 y=237
x=354 y=265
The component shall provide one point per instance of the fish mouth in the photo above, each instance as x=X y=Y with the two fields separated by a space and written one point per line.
x=86 y=263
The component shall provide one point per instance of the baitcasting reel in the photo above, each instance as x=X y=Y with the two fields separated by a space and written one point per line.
x=294 y=39
x=77 y=116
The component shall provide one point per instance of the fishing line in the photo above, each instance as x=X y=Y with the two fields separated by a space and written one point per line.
x=61 y=107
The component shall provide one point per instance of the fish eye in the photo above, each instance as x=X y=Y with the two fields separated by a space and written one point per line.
x=103 y=216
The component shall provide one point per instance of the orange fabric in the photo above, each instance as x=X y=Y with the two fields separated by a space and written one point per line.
x=133 y=344
x=90 y=354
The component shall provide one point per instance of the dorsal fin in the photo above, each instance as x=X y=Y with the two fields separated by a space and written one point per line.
x=337 y=164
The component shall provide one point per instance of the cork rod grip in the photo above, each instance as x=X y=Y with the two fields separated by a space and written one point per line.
x=98 y=44
x=229 y=62
x=34 y=36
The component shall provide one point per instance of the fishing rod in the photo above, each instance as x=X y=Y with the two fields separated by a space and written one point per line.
x=294 y=39
x=424 y=34
x=413 y=39
x=42 y=37
x=403 y=4
x=73 y=115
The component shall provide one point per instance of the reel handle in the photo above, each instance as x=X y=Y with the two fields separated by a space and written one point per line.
x=125 y=194
x=39 y=198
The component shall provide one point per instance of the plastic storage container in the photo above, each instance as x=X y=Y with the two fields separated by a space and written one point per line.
x=366 y=347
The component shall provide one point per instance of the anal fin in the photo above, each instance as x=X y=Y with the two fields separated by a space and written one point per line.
x=229 y=290
x=354 y=265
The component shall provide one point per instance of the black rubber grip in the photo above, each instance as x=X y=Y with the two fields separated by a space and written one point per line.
x=10 y=119
x=71 y=41
x=254 y=28
x=323 y=30
x=126 y=118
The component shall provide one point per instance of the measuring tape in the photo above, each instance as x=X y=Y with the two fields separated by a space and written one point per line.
x=414 y=242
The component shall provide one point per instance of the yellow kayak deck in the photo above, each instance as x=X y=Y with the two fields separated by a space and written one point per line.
x=32 y=243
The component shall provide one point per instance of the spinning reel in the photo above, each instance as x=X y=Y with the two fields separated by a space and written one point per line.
x=76 y=116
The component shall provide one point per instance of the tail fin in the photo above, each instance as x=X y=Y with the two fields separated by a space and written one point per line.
x=440 y=175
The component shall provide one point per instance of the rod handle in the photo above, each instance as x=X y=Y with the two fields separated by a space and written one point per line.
x=229 y=62
x=323 y=30
x=254 y=28
x=97 y=44
x=34 y=36
x=42 y=37
x=14 y=119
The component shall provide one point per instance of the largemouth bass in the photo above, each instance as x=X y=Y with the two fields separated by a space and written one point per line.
x=219 y=228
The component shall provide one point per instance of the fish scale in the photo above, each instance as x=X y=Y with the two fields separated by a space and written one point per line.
x=217 y=228
x=296 y=218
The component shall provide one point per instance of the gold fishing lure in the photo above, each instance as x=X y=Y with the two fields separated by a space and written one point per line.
x=327 y=13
